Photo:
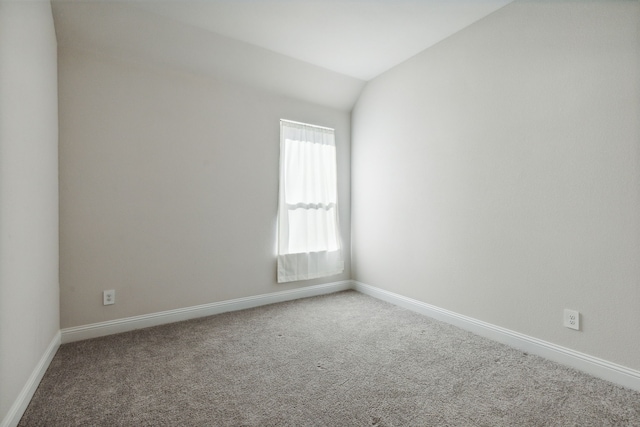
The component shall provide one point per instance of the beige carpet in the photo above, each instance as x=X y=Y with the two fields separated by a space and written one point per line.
x=338 y=360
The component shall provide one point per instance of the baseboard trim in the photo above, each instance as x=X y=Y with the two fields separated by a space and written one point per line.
x=22 y=401
x=110 y=327
x=597 y=367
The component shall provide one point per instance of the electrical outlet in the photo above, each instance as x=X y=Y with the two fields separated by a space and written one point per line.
x=572 y=319
x=109 y=297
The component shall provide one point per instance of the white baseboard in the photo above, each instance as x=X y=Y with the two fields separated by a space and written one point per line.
x=600 y=368
x=22 y=401
x=597 y=367
x=95 y=330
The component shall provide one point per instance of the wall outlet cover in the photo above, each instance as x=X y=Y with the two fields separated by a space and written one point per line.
x=572 y=319
x=109 y=297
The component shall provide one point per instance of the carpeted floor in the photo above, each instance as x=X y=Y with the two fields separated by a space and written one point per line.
x=337 y=360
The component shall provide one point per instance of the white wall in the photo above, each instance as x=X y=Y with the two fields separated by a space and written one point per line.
x=497 y=175
x=168 y=187
x=29 y=290
x=140 y=33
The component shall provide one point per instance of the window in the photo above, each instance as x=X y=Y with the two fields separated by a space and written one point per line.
x=308 y=231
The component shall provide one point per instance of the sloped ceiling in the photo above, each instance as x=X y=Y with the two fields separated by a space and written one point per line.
x=321 y=51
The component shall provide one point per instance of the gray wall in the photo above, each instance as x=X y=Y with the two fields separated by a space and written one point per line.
x=168 y=187
x=28 y=193
x=497 y=175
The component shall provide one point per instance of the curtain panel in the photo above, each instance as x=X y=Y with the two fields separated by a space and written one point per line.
x=308 y=231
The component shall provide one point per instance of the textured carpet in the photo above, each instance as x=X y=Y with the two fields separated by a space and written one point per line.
x=337 y=360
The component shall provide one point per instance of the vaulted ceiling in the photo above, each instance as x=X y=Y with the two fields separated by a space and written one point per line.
x=323 y=51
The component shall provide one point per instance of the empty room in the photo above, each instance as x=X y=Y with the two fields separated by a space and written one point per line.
x=320 y=212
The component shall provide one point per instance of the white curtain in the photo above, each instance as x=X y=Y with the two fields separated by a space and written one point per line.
x=308 y=232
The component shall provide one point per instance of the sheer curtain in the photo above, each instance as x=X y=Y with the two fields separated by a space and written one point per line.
x=308 y=232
